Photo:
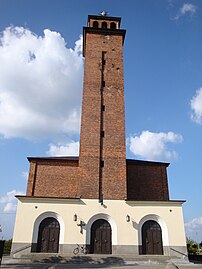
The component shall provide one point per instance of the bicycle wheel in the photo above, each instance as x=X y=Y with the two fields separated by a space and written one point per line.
x=85 y=250
x=76 y=251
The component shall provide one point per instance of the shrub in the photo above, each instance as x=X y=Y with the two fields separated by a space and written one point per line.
x=7 y=246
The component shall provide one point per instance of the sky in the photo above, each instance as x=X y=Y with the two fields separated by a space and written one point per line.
x=41 y=73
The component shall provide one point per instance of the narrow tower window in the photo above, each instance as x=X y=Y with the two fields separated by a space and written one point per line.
x=95 y=24
x=104 y=24
x=113 y=25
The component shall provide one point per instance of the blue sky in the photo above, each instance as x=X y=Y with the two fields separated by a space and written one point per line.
x=41 y=75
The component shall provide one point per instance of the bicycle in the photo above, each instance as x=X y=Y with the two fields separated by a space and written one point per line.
x=81 y=249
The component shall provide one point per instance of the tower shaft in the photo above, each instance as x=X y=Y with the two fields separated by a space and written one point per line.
x=102 y=141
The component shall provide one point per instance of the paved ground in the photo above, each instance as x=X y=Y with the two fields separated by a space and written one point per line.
x=57 y=266
x=6 y=263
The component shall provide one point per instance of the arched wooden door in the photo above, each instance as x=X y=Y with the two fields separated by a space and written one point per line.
x=152 y=238
x=48 y=236
x=101 y=233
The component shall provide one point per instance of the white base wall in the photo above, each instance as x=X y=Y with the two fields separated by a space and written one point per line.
x=126 y=235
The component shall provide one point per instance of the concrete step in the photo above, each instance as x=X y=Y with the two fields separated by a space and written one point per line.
x=97 y=259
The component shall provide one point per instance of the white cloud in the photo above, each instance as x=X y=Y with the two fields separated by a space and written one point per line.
x=40 y=84
x=9 y=201
x=186 y=8
x=64 y=149
x=25 y=174
x=196 y=106
x=194 y=228
x=152 y=146
x=194 y=223
x=10 y=207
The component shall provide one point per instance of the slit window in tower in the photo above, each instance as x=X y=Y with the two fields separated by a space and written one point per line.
x=103 y=58
x=102 y=133
x=103 y=83
x=101 y=163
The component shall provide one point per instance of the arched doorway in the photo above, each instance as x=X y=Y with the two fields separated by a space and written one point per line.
x=152 y=238
x=48 y=236
x=101 y=237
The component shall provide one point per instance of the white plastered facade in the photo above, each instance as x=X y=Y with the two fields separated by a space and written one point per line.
x=125 y=234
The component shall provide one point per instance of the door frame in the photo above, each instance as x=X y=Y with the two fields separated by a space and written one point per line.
x=37 y=222
x=49 y=231
x=148 y=230
x=109 y=233
x=107 y=218
x=164 y=229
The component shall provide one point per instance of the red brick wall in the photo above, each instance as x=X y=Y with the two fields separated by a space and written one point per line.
x=146 y=181
x=61 y=178
x=53 y=178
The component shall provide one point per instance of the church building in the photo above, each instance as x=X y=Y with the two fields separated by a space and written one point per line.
x=109 y=204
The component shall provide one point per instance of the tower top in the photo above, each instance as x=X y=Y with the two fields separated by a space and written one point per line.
x=102 y=25
x=104 y=21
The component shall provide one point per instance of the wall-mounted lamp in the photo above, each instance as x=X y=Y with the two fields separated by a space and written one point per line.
x=127 y=218
x=75 y=217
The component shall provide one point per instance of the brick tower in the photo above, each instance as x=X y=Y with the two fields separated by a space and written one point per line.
x=102 y=142
x=135 y=215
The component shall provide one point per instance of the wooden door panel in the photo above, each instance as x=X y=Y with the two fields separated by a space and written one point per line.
x=105 y=241
x=48 y=236
x=97 y=240
x=157 y=239
x=101 y=237
x=44 y=240
x=152 y=238
x=149 y=240
x=53 y=240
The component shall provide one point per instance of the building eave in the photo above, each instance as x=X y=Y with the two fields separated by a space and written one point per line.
x=62 y=158
x=153 y=202
x=105 y=18
x=143 y=162
x=36 y=199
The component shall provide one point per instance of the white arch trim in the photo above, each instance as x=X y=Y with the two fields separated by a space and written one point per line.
x=105 y=217
x=48 y=214
x=162 y=224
